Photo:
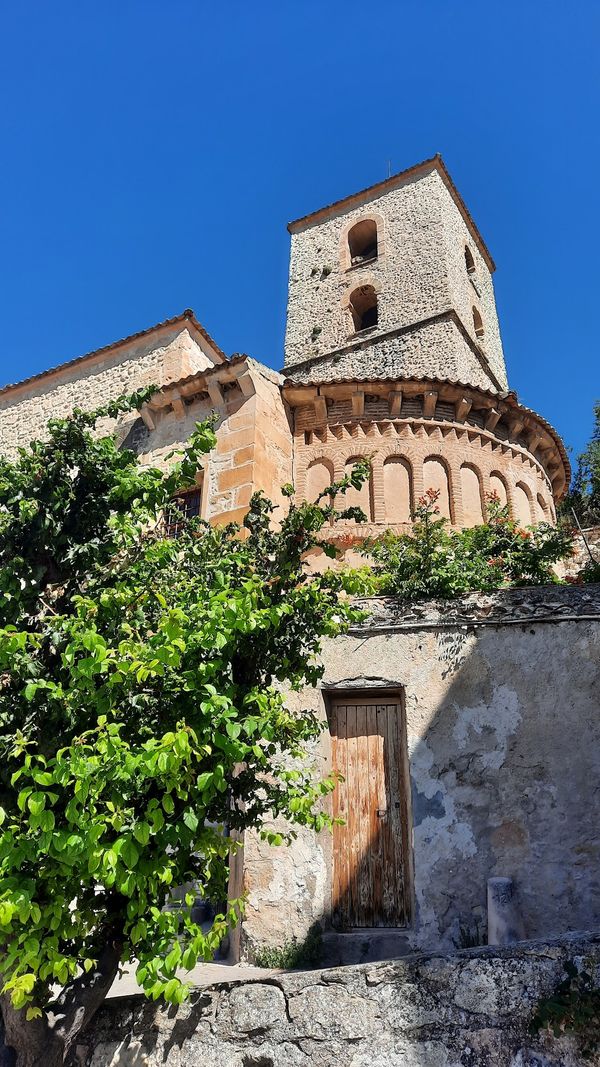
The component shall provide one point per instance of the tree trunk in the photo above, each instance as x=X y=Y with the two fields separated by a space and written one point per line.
x=46 y=1042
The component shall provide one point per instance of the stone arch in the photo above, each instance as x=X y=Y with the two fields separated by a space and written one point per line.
x=355 y=301
x=472 y=496
x=437 y=476
x=319 y=476
x=397 y=489
x=499 y=488
x=544 y=509
x=478 y=324
x=361 y=498
x=523 y=504
x=345 y=253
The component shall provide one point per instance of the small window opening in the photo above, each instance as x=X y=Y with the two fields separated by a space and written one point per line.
x=469 y=261
x=363 y=305
x=183 y=507
x=362 y=242
x=478 y=324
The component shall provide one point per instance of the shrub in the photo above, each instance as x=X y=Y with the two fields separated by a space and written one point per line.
x=434 y=562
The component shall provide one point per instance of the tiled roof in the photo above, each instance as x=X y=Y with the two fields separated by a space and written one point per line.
x=187 y=315
x=297 y=383
x=435 y=163
x=510 y=397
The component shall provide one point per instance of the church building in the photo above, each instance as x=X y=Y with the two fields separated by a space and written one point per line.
x=458 y=733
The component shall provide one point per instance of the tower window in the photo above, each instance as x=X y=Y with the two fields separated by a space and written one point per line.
x=362 y=242
x=478 y=324
x=363 y=305
x=469 y=261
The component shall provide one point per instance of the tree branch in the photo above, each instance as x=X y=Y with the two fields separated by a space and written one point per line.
x=71 y=1012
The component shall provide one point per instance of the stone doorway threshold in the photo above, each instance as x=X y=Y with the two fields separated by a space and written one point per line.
x=205 y=974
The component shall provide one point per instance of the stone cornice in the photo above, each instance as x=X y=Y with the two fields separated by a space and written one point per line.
x=522 y=607
x=527 y=433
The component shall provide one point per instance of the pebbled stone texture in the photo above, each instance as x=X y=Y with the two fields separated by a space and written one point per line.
x=471 y=1009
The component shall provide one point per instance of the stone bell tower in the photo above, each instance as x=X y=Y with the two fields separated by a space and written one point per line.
x=393 y=351
x=394 y=280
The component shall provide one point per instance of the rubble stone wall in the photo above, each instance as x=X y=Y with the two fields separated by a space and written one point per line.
x=419 y=272
x=471 y=1009
x=502 y=695
x=163 y=356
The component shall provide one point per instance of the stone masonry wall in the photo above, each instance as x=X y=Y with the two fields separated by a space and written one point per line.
x=501 y=697
x=164 y=356
x=435 y=350
x=419 y=273
x=471 y=1009
x=253 y=451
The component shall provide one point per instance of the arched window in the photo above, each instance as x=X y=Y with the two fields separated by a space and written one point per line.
x=397 y=489
x=362 y=242
x=363 y=305
x=522 y=498
x=498 y=488
x=478 y=324
x=469 y=261
x=319 y=476
x=435 y=476
x=471 y=496
x=360 y=498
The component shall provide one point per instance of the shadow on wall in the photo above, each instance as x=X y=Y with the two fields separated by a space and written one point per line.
x=501 y=738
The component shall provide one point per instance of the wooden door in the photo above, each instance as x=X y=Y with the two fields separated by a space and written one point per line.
x=370 y=850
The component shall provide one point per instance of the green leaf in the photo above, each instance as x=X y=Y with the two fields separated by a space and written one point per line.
x=129 y=853
x=141 y=832
x=191 y=820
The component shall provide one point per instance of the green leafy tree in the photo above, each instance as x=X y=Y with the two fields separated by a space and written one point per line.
x=584 y=495
x=432 y=561
x=143 y=725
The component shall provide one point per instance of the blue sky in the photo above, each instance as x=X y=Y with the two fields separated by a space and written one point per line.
x=152 y=153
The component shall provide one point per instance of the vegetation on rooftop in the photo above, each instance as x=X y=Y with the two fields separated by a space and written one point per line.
x=433 y=561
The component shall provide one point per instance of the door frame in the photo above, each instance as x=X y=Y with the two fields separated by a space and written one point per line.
x=389 y=694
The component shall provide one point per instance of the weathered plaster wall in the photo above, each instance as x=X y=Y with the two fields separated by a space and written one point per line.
x=468 y=1010
x=502 y=696
x=419 y=273
x=165 y=355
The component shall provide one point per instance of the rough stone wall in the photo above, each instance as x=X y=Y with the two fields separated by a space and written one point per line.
x=436 y=349
x=164 y=356
x=471 y=290
x=501 y=696
x=254 y=439
x=418 y=274
x=471 y=1009
x=581 y=556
